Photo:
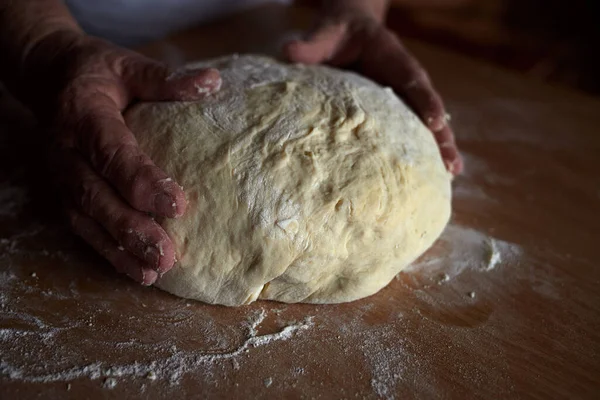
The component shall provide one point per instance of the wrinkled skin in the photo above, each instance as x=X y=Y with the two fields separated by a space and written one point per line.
x=113 y=189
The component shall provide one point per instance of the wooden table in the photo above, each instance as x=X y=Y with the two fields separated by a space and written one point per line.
x=505 y=305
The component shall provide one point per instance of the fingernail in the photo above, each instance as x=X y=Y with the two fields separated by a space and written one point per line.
x=165 y=205
x=210 y=80
x=149 y=277
x=209 y=85
x=144 y=278
x=453 y=166
x=458 y=165
x=152 y=256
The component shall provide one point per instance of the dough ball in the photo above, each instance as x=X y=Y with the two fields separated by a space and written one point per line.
x=304 y=184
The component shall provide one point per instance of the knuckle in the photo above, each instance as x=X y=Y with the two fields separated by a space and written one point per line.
x=87 y=124
x=433 y=104
x=90 y=193
x=94 y=56
x=418 y=74
x=140 y=64
x=128 y=229
x=131 y=234
x=80 y=91
x=144 y=179
x=109 y=158
x=84 y=119
x=154 y=70
x=117 y=61
x=140 y=69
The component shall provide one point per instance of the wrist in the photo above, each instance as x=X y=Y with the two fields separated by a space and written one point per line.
x=24 y=25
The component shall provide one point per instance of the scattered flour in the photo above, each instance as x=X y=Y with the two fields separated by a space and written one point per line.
x=388 y=363
x=37 y=346
x=495 y=256
x=391 y=360
x=173 y=367
x=461 y=248
x=109 y=383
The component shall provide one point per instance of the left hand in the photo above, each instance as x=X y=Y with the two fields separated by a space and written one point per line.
x=354 y=38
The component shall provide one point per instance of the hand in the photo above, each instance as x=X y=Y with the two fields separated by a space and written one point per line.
x=111 y=185
x=356 y=38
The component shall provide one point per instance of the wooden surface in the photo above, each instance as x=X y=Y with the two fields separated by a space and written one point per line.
x=505 y=305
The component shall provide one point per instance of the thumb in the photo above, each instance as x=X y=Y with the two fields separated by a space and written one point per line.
x=319 y=47
x=152 y=81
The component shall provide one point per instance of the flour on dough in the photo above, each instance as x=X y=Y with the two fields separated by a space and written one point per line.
x=304 y=184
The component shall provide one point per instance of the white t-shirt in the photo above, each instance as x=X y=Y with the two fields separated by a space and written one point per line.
x=132 y=22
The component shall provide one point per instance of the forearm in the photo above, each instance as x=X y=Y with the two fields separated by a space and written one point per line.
x=24 y=24
x=375 y=9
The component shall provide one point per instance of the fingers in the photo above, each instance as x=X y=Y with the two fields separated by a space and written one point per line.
x=151 y=81
x=139 y=234
x=388 y=62
x=100 y=240
x=191 y=85
x=113 y=151
x=391 y=64
x=449 y=150
x=420 y=93
x=320 y=47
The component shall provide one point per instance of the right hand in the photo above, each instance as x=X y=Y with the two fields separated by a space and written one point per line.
x=112 y=187
x=351 y=34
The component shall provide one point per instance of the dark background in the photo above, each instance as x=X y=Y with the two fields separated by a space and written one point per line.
x=556 y=41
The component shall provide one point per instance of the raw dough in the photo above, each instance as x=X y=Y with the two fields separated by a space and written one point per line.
x=305 y=184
